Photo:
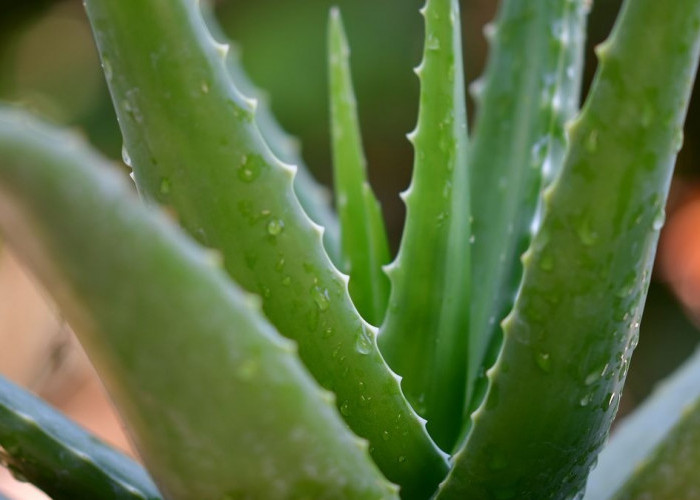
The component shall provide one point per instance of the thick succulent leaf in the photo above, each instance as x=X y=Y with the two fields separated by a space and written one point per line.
x=187 y=356
x=48 y=450
x=555 y=388
x=424 y=336
x=314 y=198
x=672 y=470
x=362 y=232
x=194 y=146
x=649 y=438
x=530 y=88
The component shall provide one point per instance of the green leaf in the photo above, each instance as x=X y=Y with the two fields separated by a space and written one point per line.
x=555 y=388
x=631 y=457
x=363 y=236
x=530 y=88
x=187 y=356
x=424 y=336
x=43 y=447
x=314 y=198
x=194 y=146
x=672 y=470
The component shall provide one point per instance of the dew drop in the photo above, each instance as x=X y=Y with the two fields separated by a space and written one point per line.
x=609 y=399
x=402 y=459
x=164 y=186
x=678 y=140
x=659 y=219
x=432 y=43
x=544 y=361
x=327 y=333
x=107 y=68
x=363 y=343
x=345 y=408
x=592 y=377
x=275 y=227
x=321 y=298
x=592 y=141
x=249 y=170
x=205 y=88
x=585 y=234
x=286 y=281
x=585 y=400
x=386 y=436
x=125 y=157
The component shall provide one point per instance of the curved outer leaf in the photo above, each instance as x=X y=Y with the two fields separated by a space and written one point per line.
x=363 y=236
x=672 y=471
x=313 y=197
x=530 y=88
x=58 y=456
x=424 y=336
x=629 y=456
x=187 y=356
x=195 y=147
x=555 y=388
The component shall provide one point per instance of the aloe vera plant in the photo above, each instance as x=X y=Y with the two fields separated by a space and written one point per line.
x=252 y=355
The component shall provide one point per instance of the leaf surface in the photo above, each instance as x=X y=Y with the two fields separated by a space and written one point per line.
x=194 y=146
x=217 y=402
x=425 y=333
x=554 y=390
x=48 y=450
x=363 y=236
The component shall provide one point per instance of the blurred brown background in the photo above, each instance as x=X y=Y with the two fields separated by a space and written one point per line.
x=48 y=64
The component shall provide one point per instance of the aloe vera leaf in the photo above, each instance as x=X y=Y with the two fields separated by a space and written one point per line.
x=530 y=88
x=48 y=450
x=672 y=470
x=651 y=427
x=424 y=336
x=555 y=388
x=194 y=147
x=362 y=232
x=314 y=198
x=152 y=308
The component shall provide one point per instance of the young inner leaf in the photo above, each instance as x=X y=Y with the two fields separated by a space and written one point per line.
x=363 y=236
x=424 y=336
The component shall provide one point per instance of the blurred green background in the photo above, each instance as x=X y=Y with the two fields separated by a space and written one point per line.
x=48 y=64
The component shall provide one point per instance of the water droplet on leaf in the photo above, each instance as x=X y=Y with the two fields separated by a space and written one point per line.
x=275 y=227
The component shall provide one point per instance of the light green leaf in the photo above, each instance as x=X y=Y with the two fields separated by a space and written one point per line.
x=314 y=198
x=194 y=146
x=363 y=236
x=152 y=309
x=424 y=336
x=567 y=343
